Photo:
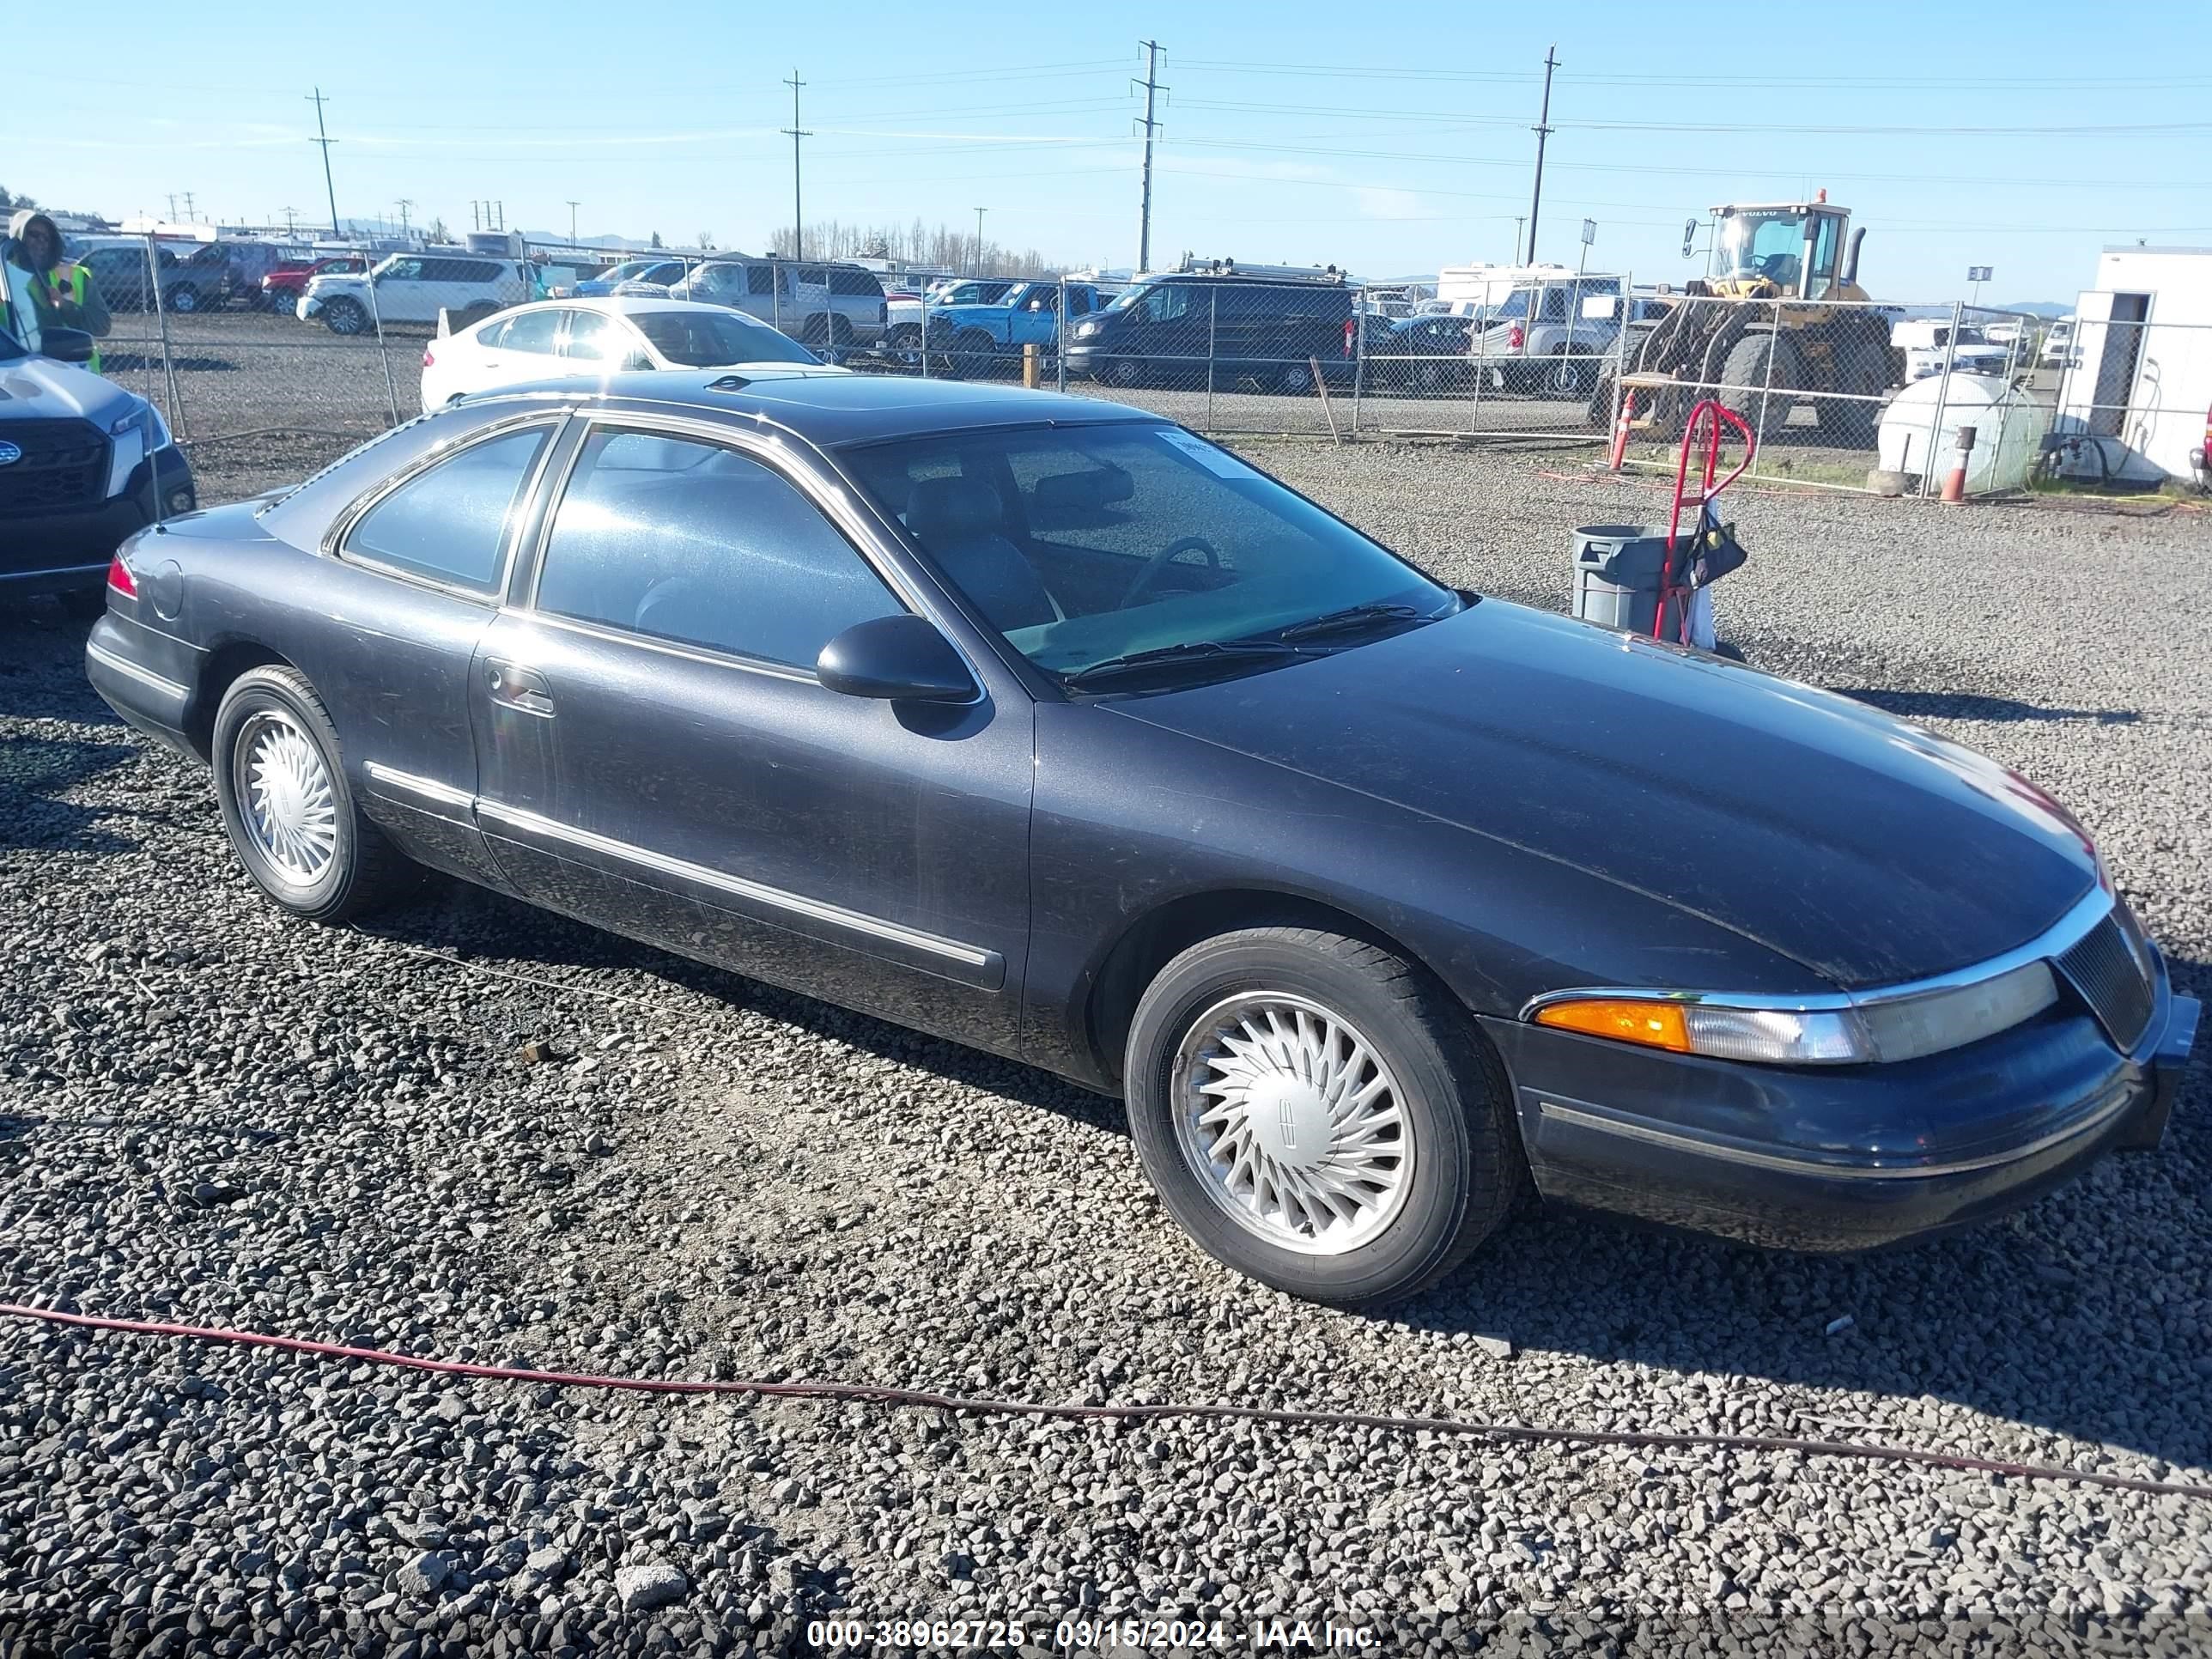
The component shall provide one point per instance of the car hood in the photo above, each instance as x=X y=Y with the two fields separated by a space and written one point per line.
x=40 y=389
x=1869 y=850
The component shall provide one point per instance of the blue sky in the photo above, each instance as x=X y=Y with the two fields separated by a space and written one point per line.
x=2024 y=138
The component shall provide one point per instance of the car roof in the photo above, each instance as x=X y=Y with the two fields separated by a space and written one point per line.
x=630 y=305
x=827 y=409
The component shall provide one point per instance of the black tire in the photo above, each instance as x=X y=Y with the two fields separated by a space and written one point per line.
x=364 y=869
x=183 y=298
x=1467 y=1168
x=1123 y=371
x=1294 y=379
x=469 y=316
x=973 y=351
x=1569 y=375
x=344 y=316
x=1759 y=381
x=1605 y=398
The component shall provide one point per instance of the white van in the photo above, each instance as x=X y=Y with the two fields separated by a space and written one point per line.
x=1926 y=342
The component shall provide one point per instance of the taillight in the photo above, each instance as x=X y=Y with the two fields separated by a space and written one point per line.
x=1347 y=339
x=1516 y=339
x=427 y=360
x=120 y=579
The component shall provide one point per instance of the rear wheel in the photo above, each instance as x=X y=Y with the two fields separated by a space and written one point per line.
x=1318 y=1114
x=1568 y=376
x=287 y=806
x=469 y=316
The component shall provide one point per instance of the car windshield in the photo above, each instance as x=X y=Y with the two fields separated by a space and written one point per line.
x=628 y=269
x=1126 y=298
x=709 y=338
x=1088 y=546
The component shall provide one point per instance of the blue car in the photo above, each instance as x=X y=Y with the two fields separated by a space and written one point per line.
x=660 y=271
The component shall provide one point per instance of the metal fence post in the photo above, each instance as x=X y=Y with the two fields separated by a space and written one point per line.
x=1060 y=335
x=923 y=351
x=1358 y=358
x=376 y=315
x=1766 y=395
x=1943 y=396
x=1479 y=323
x=1213 y=312
x=1621 y=336
x=168 y=362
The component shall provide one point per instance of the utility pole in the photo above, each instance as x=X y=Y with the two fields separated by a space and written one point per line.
x=290 y=215
x=798 y=214
x=1519 y=220
x=980 y=212
x=190 y=217
x=403 y=205
x=572 y=224
x=1543 y=131
x=323 y=137
x=173 y=207
x=501 y=224
x=1151 y=84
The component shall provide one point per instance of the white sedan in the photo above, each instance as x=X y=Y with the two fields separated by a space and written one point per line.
x=553 y=338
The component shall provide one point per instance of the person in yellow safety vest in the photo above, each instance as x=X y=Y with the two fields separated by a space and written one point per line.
x=63 y=292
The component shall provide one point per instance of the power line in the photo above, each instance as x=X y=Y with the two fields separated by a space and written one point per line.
x=1144 y=214
x=1543 y=133
x=798 y=217
x=324 y=138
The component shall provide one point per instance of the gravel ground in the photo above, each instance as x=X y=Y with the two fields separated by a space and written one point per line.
x=210 y=1114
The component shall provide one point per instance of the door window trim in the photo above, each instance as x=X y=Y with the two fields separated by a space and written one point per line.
x=835 y=505
x=342 y=527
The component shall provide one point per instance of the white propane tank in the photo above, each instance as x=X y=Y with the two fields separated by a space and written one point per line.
x=2009 y=426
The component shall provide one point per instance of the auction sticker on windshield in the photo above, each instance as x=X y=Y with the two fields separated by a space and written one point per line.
x=1219 y=462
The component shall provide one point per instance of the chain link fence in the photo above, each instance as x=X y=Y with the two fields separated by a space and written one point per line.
x=266 y=361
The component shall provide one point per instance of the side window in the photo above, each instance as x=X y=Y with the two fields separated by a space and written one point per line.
x=845 y=279
x=812 y=276
x=1555 y=304
x=1167 y=305
x=688 y=541
x=760 y=279
x=591 y=335
x=405 y=271
x=1824 y=256
x=533 y=332
x=450 y=523
x=491 y=336
x=1078 y=302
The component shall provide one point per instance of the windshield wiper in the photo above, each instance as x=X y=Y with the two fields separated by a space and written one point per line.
x=1353 y=619
x=1199 y=654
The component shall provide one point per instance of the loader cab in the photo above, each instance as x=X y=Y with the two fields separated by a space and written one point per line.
x=1796 y=249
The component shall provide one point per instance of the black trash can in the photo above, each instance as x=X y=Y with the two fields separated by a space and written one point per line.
x=1619 y=572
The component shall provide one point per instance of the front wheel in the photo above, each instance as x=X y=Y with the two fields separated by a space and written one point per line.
x=1319 y=1115
x=184 y=298
x=288 y=808
x=344 y=317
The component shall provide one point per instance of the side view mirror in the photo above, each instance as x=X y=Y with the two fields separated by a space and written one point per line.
x=637 y=360
x=900 y=659
x=65 y=345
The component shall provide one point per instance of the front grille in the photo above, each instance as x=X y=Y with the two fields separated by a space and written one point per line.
x=63 y=464
x=2109 y=966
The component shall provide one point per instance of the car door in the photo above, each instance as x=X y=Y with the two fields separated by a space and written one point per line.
x=401 y=288
x=418 y=571
x=528 y=348
x=658 y=757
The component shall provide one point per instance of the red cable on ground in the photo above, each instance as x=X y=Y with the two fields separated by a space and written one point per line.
x=870 y=1393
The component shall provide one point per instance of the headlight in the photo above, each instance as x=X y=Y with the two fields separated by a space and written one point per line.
x=147 y=422
x=1085 y=331
x=1854 y=1031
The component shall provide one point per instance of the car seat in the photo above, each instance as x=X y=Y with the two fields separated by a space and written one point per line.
x=959 y=521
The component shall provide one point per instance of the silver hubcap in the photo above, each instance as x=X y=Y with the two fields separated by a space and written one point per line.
x=289 y=808
x=1292 y=1123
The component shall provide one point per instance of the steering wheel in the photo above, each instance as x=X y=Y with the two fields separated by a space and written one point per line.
x=1160 y=560
x=1780 y=268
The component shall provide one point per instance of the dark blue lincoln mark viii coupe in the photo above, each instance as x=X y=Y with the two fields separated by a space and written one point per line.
x=1045 y=725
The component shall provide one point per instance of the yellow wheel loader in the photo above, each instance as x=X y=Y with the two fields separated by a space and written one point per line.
x=1779 y=315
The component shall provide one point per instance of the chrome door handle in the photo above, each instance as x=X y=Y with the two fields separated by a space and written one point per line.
x=518 y=687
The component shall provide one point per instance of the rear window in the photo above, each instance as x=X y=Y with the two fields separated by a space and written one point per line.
x=708 y=339
x=450 y=523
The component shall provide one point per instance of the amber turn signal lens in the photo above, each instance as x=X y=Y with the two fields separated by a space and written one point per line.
x=1655 y=1024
